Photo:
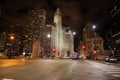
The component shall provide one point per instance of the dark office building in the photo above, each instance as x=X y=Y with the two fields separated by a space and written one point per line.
x=114 y=13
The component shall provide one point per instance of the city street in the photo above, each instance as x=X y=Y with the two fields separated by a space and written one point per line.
x=59 y=40
x=57 y=69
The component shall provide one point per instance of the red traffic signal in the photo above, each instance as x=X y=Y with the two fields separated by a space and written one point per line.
x=84 y=47
x=54 y=50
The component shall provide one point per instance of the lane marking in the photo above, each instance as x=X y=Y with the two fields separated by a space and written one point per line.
x=7 y=79
x=116 y=75
x=112 y=70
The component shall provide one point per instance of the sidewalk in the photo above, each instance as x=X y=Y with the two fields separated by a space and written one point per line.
x=3 y=57
x=13 y=57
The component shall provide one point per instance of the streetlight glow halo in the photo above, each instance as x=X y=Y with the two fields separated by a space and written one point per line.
x=48 y=35
x=94 y=26
x=74 y=33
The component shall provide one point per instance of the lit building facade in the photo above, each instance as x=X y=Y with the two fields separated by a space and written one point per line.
x=60 y=40
x=69 y=42
x=47 y=40
x=34 y=29
x=92 y=44
x=32 y=37
x=57 y=34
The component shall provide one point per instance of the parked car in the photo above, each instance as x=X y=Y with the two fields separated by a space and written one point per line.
x=110 y=58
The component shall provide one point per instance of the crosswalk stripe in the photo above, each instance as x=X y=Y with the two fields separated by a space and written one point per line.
x=116 y=75
x=112 y=68
x=113 y=72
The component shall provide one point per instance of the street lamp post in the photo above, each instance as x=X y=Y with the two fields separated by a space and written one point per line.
x=95 y=51
x=74 y=33
x=11 y=45
x=48 y=35
x=49 y=45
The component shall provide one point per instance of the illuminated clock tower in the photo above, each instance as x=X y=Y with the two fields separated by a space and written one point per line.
x=58 y=34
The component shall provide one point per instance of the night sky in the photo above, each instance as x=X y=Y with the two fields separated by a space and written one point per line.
x=75 y=13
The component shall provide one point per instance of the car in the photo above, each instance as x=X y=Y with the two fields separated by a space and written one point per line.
x=117 y=55
x=74 y=55
x=110 y=58
x=106 y=58
x=65 y=57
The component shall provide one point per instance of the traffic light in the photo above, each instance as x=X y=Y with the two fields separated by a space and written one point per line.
x=95 y=51
x=83 y=47
x=54 y=49
x=109 y=43
x=109 y=46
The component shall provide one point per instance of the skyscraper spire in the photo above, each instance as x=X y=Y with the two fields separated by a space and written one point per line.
x=58 y=11
x=58 y=17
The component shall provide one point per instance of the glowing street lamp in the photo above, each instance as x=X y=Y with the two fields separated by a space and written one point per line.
x=94 y=27
x=12 y=37
x=95 y=47
x=74 y=33
x=23 y=53
x=48 y=36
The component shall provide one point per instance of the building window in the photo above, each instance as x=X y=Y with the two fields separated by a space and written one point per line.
x=94 y=41
x=99 y=42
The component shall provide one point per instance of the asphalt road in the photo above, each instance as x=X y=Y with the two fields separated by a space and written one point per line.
x=47 y=69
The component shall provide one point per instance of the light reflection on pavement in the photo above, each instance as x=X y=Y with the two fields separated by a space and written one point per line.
x=41 y=69
x=8 y=63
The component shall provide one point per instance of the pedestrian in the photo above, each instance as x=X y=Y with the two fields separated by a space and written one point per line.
x=68 y=53
x=52 y=55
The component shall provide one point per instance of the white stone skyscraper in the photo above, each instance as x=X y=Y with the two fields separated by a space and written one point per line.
x=57 y=32
x=61 y=41
x=68 y=40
